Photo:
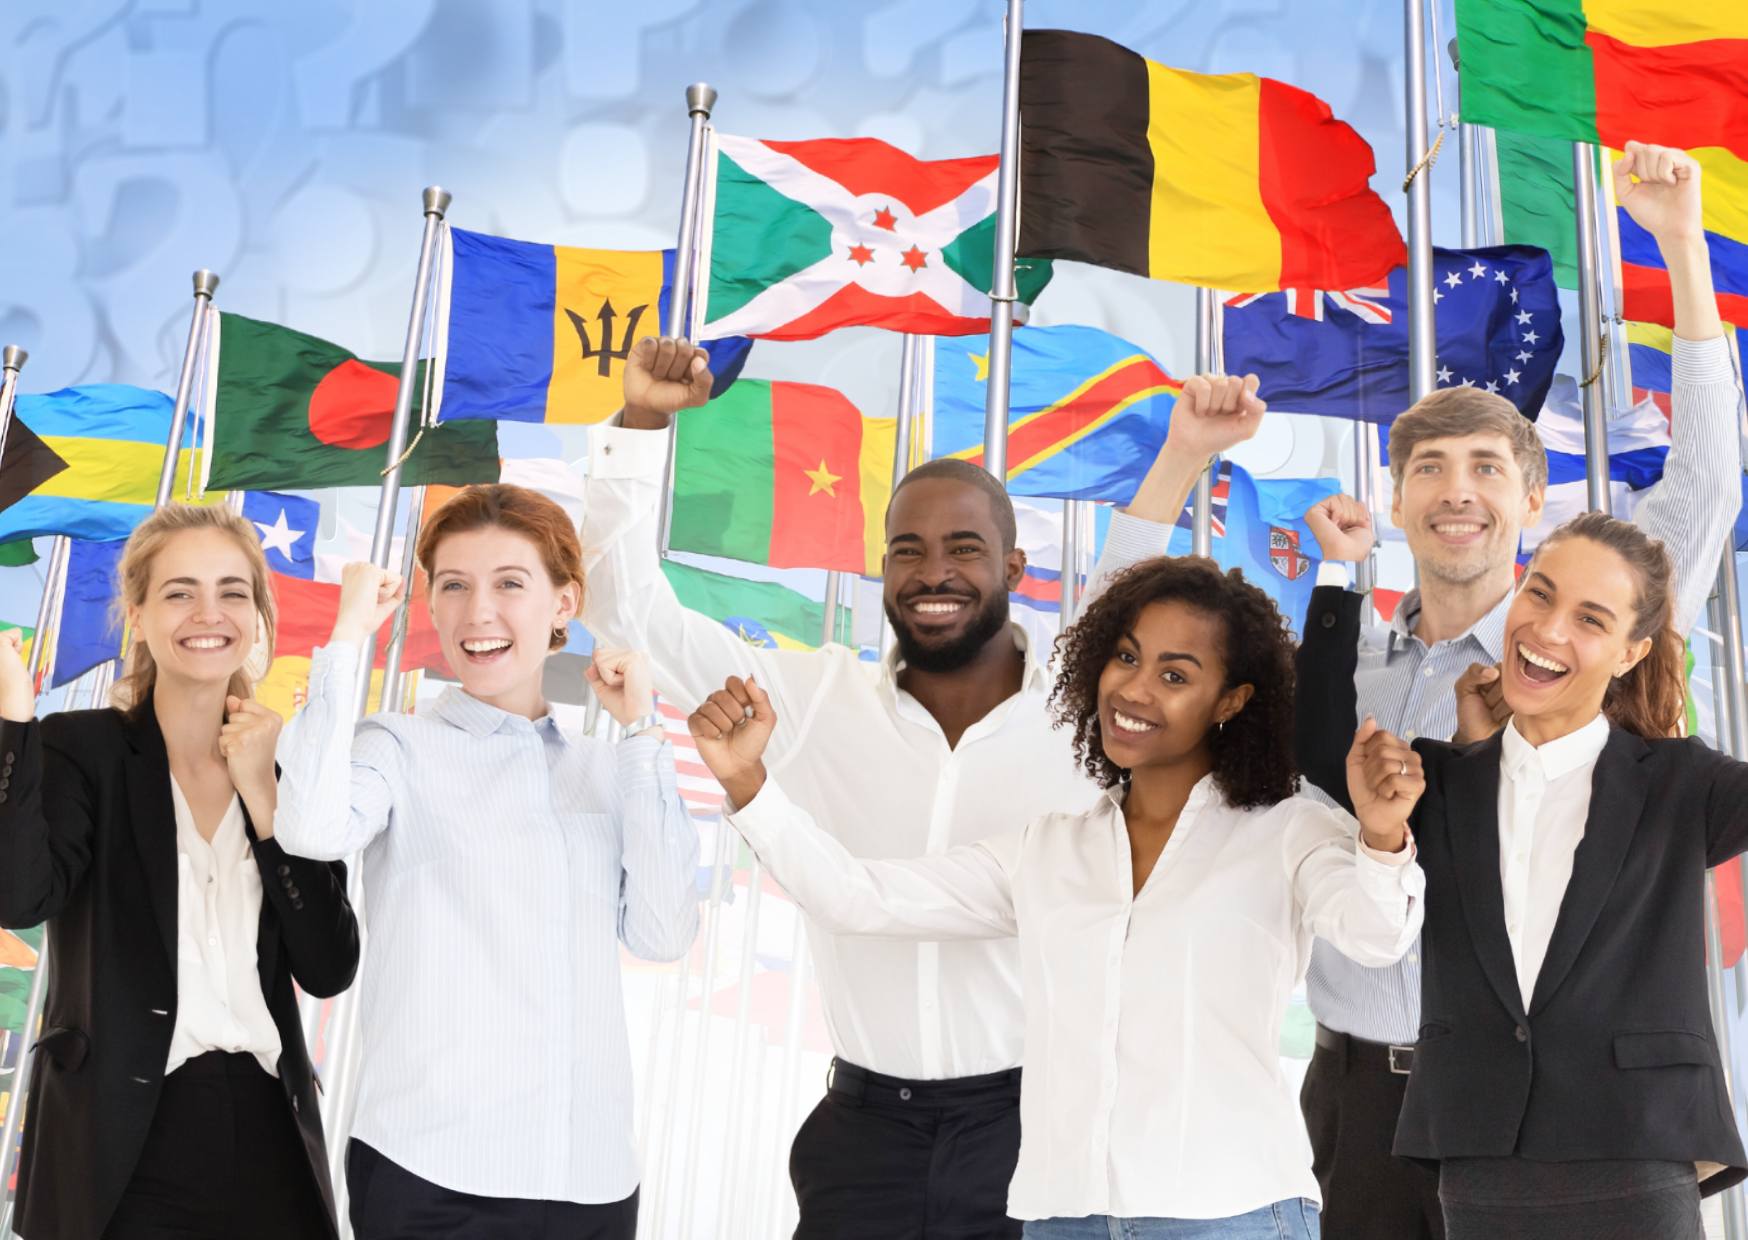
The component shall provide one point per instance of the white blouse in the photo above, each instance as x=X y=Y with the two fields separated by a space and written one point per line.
x=219 y=1004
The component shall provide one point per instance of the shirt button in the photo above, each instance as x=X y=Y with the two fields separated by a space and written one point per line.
x=1413 y=957
x=1426 y=671
x=904 y=1093
x=212 y=940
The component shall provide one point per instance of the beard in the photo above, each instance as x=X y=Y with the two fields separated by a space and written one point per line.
x=953 y=653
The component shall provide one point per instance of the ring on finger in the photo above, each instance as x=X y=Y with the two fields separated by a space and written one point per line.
x=1404 y=769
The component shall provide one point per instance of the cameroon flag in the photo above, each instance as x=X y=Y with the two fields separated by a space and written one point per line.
x=291 y=412
x=786 y=474
x=1227 y=181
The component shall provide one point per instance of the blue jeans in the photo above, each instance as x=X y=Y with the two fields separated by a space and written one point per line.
x=1293 y=1219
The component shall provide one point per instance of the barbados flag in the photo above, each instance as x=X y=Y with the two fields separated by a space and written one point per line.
x=1087 y=411
x=541 y=333
x=84 y=461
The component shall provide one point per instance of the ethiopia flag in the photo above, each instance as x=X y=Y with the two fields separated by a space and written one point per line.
x=786 y=474
x=1228 y=181
x=291 y=412
x=803 y=238
x=1608 y=71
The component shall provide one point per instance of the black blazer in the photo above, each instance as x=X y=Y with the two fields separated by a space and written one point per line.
x=1325 y=701
x=88 y=843
x=1616 y=1056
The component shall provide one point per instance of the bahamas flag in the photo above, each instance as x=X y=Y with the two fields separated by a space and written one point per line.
x=84 y=461
x=540 y=333
x=1087 y=411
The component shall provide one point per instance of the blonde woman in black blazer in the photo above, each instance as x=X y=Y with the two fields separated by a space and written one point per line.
x=97 y=808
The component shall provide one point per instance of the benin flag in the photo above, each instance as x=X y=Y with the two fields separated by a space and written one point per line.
x=291 y=412
x=807 y=237
x=787 y=474
x=1608 y=71
x=1228 y=181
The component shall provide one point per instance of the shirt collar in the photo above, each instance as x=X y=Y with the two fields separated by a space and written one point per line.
x=458 y=707
x=1035 y=676
x=1558 y=757
x=1488 y=632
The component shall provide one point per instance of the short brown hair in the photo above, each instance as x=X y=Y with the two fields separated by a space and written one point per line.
x=519 y=510
x=1457 y=412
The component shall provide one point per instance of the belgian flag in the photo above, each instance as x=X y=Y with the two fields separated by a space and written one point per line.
x=1227 y=181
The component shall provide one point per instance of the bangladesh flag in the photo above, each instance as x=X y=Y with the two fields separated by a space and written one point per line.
x=787 y=474
x=291 y=412
x=807 y=237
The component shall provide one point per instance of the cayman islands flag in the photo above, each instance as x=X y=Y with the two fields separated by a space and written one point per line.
x=802 y=238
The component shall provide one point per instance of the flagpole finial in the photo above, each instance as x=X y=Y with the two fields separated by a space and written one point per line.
x=1456 y=59
x=13 y=358
x=700 y=97
x=437 y=200
x=205 y=283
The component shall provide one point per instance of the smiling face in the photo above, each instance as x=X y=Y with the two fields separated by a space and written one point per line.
x=1463 y=506
x=495 y=609
x=1164 y=687
x=946 y=575
x=1568 y=633
x=198 y=616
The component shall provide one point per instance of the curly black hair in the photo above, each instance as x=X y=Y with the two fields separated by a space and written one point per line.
x=1253 y=753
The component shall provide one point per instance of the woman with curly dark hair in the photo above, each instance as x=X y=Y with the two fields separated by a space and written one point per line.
x=1162 y=929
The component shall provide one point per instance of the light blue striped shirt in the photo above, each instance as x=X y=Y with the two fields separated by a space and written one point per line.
x=504 y=862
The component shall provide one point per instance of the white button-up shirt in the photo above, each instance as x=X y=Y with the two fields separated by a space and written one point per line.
x=219 y=1004
x=1544 y=802
x=1153 y=1083
x=504 y=862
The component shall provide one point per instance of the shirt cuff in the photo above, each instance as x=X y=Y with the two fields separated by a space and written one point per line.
x=1401 y=857
x=1701 y=361
x=1333 y=573
x=761 y=818
x=615 y=452
x=645 y=762
x=334 y=659
x=1131 y=538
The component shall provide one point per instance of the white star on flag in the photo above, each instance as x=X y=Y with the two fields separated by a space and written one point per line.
x=279 y=536
x=1512 y=376
x=1477 y=270
x=1530 y=337
x=1523 y=316
x=1468 y=382
x=1453 y=279
x=1514 y=297
x=1444 y=374
x=1492 y=387
x=1525 y=356
x=1501 y=277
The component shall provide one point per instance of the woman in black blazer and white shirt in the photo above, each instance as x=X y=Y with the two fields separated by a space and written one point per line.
x=1567 y=1078
x=171 y=1093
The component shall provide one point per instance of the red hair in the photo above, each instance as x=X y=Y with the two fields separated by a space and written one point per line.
x=520 y=511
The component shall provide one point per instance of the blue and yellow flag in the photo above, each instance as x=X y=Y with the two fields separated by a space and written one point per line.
x=540 y=333
x=1087 y=411
x=84 y=461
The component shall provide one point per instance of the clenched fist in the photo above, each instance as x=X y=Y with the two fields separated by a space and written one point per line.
x=1385 y=780
x=1215 y=413
x=663 y=376
x=246 y=741
x=1343 y=528
x=732 y=727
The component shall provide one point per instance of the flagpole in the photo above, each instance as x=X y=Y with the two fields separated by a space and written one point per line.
x=1468 y=162
x=1069 y=575
x=1202 y=508
x=909 y=398
x=833 y=586
x=1422 y=338
x=1007 y=227
x=205 y=285
x=700 y=103
x=12 y=360
x=1590 y=327
x=391 y=659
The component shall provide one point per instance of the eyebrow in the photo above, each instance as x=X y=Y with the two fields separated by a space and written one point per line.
x=955 y=536
x=502 y=568
x=192 y=581
x=1583 y=604
x=1165 y=656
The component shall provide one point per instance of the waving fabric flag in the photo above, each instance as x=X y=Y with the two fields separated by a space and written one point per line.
x=1645 y=277
x=760 y=613
x=90 y=631
x=1345 y=355
x=1650 y=358
x=806 y=237
x=1227 y=181
x=1608 y=71
x=287 y=525
x=540 y=333
x=1087 y=411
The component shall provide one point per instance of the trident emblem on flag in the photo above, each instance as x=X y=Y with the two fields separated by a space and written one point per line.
x=605 y=350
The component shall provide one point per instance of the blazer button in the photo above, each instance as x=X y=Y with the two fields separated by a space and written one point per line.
x=1522 y=1034
x=291 y=891
x=1328 y=620
x=284 y=870
x=297 y=904
x=11 y=757
x=2 y=796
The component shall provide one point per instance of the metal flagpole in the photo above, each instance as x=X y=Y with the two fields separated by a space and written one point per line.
x=1365 y=468
x=1007 y=226
x=1590 y=327
x=205 y=285
x=1611 y=292
x=1422 y=339
x=12 y=360
x=397 y=639
x=1207 y=363
x=700 y=102
x=1468 y=163
x=833 y=588
x=1069 y=566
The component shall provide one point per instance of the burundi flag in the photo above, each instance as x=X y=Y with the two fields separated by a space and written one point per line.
x=802 y=238
x=540 y=333
x=289 y=411
x=1087 y=411
x=786 y=474
x=84 y=462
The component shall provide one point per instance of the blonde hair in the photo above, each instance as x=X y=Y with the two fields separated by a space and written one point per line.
x=134 y=581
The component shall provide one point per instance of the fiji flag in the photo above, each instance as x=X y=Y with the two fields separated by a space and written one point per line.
x=287 y=524
x=540 y=333
x=1345 y=354
x=1259 y=527
x=1087 y=411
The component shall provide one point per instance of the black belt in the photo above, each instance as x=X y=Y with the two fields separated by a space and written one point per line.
x=856 y=1085
x=1359 y=1053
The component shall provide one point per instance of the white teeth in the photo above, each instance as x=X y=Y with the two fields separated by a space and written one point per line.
x=936 y=608
x=1458 y=529
x=1129 y=723
x=206 y=643
x=1530 y=656
x=485 y=645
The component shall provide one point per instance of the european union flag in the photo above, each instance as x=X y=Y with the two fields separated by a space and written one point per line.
x=1087 y=411
x=90 y=631
x=1345 y=354
x=287 y=524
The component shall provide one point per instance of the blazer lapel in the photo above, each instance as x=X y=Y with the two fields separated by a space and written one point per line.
x=153 y=816
x=1618 y=790
x=1473 y=818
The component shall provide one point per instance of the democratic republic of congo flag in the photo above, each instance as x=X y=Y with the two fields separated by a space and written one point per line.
x=541 y=333
x=1087 y=411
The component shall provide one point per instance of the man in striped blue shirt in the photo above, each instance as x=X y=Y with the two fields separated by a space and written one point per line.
x=1469 y=476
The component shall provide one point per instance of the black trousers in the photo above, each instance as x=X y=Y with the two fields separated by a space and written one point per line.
x=223 y=1158
x=1351 y=1100
x=388 y=1202
x=1516 y=1199
x=887 y=1159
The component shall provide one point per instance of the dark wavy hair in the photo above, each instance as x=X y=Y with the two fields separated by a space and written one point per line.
x=1253 y=753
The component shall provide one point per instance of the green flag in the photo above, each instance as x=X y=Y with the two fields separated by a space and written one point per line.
x=289 y=411
x=17 y=553
x=1536 y=199
x=763 y=613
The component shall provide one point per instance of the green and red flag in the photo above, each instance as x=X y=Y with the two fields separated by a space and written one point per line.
x=803 y=238
x=289 y=411
x=786 y=474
